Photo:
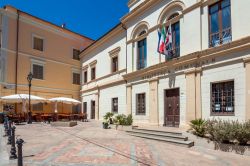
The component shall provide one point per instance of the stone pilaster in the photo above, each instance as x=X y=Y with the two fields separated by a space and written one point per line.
x=153 y=102
x=247 y=67
x=193 y=94
x=129 y=99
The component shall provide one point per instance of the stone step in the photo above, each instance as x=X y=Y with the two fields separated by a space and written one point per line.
x=158 y=131
x=159 y=134
x=168 y=140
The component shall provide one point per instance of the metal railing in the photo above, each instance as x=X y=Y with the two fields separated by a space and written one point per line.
x=221 y=37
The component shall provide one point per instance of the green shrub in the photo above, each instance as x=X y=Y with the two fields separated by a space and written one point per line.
x=121 y=119
x=228 y=131
x=124 y=120
x=129 y=120
x=198 y=127
x=109 y=117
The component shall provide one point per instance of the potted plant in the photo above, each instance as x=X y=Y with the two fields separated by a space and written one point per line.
x=109 y=117
x=105 y=125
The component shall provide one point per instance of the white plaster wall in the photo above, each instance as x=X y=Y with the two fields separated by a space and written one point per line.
x=234 y=72
x=101 y=54
x=105 y=99
x=189 y=31
x=190 y=37
x=140 y=88
x=180 y=82
x=240 y=18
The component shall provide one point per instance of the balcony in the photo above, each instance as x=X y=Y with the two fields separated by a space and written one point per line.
x=221 y=37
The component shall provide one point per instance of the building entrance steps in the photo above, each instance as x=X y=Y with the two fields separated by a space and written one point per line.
x=173 y=137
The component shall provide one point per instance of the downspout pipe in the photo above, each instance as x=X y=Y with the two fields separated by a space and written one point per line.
x=17 y=48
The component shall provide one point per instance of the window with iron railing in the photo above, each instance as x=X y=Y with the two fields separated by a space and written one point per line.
x=76 y=78
x=141 y=104
x=37 y=107
x=76 y=54
x=222 y=98
x=37 y=71
x=220 y=31
x=115 y=105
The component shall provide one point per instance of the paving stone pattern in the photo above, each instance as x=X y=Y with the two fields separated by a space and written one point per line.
x=89 y=144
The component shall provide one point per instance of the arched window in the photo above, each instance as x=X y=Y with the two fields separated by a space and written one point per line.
x=142 y=52
x=174 y=47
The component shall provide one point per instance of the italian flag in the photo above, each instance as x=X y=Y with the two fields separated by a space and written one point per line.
x=165 y=39
x=162 y=41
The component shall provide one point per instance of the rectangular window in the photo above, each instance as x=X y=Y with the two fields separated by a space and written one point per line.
x=38 y=43
x=220 y=23
x=222 y=98
x=115 y=105
x=76 y=78
x=76 y=109
x=38 y=71
x=76 y=54
x=141 y=104
x=85 y=107
x=114 y=64
x=93 y=73
x=85 y=76
x=142 y=54
x=37 y=107
x=174 y=48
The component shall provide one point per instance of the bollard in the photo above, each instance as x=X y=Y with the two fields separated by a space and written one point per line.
x=5 y=126
x=19 y=152
x=13 y=145
x=9 y=133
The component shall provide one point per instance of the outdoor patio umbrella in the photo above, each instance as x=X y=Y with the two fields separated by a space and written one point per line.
x=22 y=98
x=63 y=100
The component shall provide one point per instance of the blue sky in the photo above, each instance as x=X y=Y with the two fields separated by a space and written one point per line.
x=92 y=18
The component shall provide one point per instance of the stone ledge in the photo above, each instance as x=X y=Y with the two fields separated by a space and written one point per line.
x=64 y=124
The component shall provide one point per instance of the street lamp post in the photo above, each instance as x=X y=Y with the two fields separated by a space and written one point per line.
x=29 y=79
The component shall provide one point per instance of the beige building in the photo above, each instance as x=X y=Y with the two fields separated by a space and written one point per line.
x=50 y=52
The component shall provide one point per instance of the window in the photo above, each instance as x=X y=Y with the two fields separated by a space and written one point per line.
x=142 y=52
x=115 y=105
x=222 y=98
x=85 y=107
x=38 y=43
x=141 y=104
x=85 y=76
x=76 y=109
x=93 y=73
x=37 y=107
x=76 y=78
x=37 y=71
x=174 y=48
x=76 y=54
x=115 y=64
x=220 y=23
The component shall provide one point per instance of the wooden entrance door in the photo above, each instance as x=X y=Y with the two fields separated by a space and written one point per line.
x=172 y=108
x=92 y=109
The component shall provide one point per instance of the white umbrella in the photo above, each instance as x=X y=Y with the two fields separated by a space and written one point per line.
x=22 y=98
x=63 y=100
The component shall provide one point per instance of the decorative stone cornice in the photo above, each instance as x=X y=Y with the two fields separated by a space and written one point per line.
x=114 y=52
x=246 y=60
x=193 y=70
x=93 y=63
x=223 y=50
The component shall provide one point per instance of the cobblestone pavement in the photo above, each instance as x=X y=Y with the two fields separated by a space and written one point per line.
x=89 y=144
